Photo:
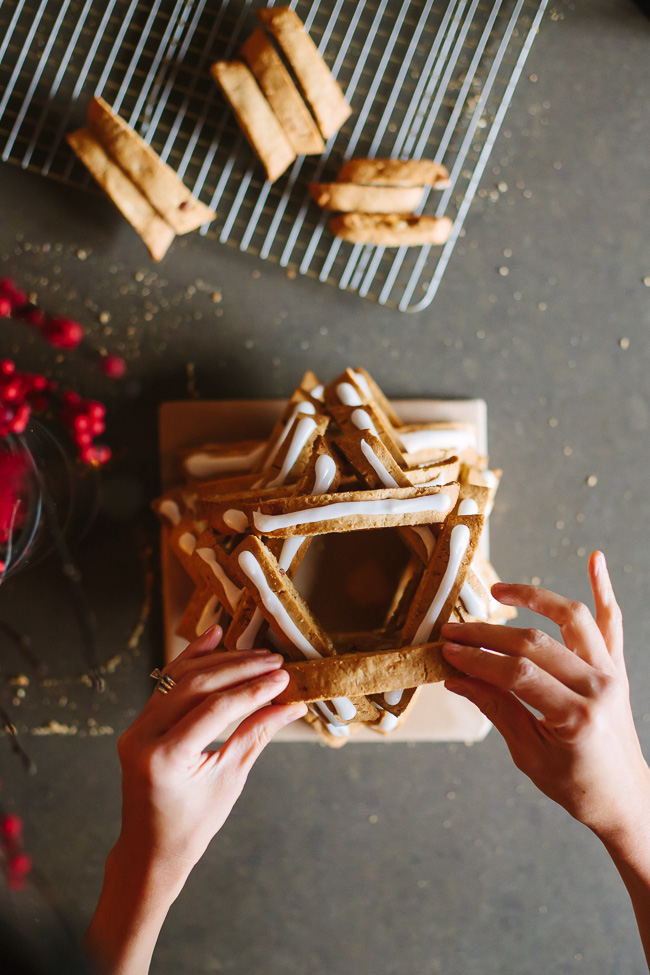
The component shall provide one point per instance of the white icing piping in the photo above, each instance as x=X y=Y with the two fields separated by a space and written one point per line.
x=251 y=568
x=437 y=439
x=236 y=520
x=363 y=421
x=388 y=722
x=303 y=407
x=473 y=602
x=393 y=697
x=348 y=395
x=170 y=510
x=233 y=592
x=317 y=391
x=205 y=465
x=304 y=430
x=211 y=614
x=468 y=506
x=246 y=638
x=325 y=471
x=187 y=542
x=380 y=470
x=343 y=509
x=458 y=541
x=361 y=381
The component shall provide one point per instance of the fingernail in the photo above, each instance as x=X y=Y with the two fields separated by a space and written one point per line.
x=451 y=649
x=276 y=677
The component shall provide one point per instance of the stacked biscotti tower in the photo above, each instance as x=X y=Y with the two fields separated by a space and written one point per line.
x=339 y=460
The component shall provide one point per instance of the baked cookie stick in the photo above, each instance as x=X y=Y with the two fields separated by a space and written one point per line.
x=354 y=511
x=155 y=232
x=349 y=197
x=283 y=96
x=394 y=172
x=314 y=77
x=290 y=617
x=154 y=178
x=365 y=673
x=391 y=230
x=255 y=116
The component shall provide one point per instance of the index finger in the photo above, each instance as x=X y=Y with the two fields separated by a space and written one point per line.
x=579 y=630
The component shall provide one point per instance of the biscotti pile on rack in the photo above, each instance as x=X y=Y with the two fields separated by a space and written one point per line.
x=338 y=460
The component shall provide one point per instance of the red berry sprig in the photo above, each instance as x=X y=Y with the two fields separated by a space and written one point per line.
x=17 y=863
x=85 y=420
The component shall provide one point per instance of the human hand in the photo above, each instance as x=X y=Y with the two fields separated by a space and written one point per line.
x=176 y=794
x=583 y=751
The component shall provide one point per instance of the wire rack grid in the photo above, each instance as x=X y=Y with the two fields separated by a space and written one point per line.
x=424 y=79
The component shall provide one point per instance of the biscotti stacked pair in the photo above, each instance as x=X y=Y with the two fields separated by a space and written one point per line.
x=377 y=200
x=270 y=109
x=250 y=516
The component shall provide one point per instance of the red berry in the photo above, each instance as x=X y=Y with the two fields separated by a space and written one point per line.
x=20 y=864
x=21 y=419
x=32 y=315
x=95 y=455
x=11 y=826
x=5 y=306
x=71 y=399
x=7 y=367
x=97 y=427
x=63 y=333
x=113 y=366
x=96 y=410
x=83 y=439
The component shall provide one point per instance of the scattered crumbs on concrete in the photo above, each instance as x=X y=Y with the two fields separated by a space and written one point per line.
x=592 y=480
x=542 y=305
x=646 y=280
x=54 y=728
x=567 y=451
x=504 y=271
x=553 y=422
x=624 y=343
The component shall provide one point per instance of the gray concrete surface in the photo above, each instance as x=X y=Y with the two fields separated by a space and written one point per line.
x=389 y=859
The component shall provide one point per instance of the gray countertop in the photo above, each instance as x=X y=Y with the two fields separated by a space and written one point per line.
x=392 y=859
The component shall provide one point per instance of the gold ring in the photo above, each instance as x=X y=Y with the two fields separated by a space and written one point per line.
x=165 y=681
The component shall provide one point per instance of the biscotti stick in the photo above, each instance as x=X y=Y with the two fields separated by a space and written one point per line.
x=214 y=565
x=255 y=116
x=365 y=673
x=372 y=460
x=394 y=172
x=154 y=178
x=290 y=617
x=391 y=229
x=314 y=77
x=354 y=510
x=349 y=197
x=442 y=579
x=282 y=95
x=202 y=611
x=293 y=455
x=210 y=461
x=155 y=232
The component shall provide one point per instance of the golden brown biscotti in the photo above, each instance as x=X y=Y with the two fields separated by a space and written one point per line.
x=255 y=116
x=391 y=230
x=394 y=172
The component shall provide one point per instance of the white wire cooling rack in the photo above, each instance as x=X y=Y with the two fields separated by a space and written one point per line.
x=424 y=78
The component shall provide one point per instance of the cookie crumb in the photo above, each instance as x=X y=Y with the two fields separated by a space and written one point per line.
x=624 y=343
x=592 y=480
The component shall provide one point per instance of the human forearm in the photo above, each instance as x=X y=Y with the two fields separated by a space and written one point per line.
x=629 y=848
x=133 y=904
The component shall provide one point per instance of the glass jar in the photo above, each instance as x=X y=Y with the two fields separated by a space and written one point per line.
x=44 y=493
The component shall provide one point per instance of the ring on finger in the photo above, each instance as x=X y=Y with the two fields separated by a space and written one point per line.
x=165 y=681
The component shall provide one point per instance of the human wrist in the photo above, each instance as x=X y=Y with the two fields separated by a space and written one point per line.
x=155 y=877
